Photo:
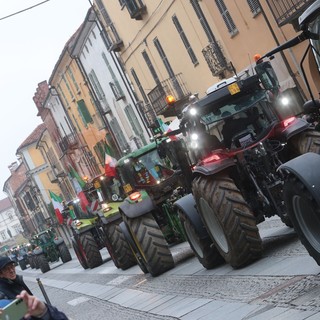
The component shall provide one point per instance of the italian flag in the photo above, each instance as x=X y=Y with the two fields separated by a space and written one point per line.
x=57 y=205
x=110 y=166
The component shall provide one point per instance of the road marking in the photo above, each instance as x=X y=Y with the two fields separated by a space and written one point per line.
x=119 y=280
x=77 y=301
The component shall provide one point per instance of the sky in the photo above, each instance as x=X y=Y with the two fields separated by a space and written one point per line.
x=31 y=43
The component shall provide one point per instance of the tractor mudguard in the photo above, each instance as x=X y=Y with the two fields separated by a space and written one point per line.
x=306 y=169
x=187 y=205
x=58 y=241
x=294 y=128
x=38 y=251
x=133 y=209
x=210 y=168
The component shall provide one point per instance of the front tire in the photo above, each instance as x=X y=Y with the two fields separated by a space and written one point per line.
x=43 y=263
x=151 y=244
x=121 y=253
x=204 y=249
x=79 y=255
x=305 y=215
x=90 y=250
x=228 y=219
x=64 y=253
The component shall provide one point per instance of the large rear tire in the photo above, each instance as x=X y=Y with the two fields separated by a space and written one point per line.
x=228 y=219
x=90 y=250
x=64 y=253
x=204 y=249
x=151 y=244
x=43 y=263
x=121 y=254
x=305 y=215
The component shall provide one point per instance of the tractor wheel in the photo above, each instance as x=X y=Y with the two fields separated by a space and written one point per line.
x=80 y=257
x=31 y=262
x=22 y=264
x=43 y=263
x=151 y=244
x=307 y=141
x=121 y=252
x=228 y=219
x=204 y=249
x=36 y=262
x=90 y=250
x=64 y=253
x=305 y=215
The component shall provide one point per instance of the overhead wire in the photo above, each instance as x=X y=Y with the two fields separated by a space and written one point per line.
x=21 y=11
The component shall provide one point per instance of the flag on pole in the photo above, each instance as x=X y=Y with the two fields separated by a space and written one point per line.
x=110 y=166
x=57 y=205
x=78 y=185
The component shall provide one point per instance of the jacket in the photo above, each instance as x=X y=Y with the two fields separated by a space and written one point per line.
x=9 y=289
x=52 y=314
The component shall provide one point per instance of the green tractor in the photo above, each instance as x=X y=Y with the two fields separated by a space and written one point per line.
x=87 y=237
x=152 y=182
x=48 y=247
x=109 y=193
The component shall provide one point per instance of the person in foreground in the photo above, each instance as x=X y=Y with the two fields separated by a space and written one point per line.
x=11 y=284
x=40 y=310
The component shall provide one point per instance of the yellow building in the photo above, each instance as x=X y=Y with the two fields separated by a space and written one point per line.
x=180 y=47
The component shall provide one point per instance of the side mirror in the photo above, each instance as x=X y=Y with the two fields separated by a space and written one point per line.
x=267 y=76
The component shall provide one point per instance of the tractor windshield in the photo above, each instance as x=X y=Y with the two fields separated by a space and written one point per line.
x=146 y=170
x=218 y=125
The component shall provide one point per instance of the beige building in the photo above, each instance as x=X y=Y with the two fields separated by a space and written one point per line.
x=180 y=47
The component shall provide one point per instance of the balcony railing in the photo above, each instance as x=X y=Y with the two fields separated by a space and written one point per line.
x=68 y=142
x=215 y=58
x=173 y=86
x=285 y=11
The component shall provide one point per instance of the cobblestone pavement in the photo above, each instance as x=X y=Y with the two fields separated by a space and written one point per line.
x=251 y=285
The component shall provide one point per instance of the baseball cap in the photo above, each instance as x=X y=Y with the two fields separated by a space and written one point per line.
x=4 y=261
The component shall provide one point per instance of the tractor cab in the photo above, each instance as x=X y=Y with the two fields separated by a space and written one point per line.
x=151 y=168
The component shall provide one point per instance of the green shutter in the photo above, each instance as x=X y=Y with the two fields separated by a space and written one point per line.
x=83 y=110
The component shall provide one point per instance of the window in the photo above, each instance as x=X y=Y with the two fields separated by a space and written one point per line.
x=119 y=134
x=68 y=87
x=115 y=80
x=84 y=113
x=3 y=235
x=150 y=66
x=96 y=85
x=73 y=79
x=138 y=83
x=115 y=91
x=254 y=6
x=136 y=127
x=10 y=215
x=135 y=8
x=184 y=40
x=163 y=57
x=226 y=17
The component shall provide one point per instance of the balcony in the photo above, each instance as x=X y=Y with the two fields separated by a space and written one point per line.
x=215 y=59
x=135 y=8
x=174 y=86
x=68 y=142
x=286 y=11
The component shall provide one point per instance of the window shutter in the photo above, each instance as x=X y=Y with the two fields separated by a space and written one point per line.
x=82 y=108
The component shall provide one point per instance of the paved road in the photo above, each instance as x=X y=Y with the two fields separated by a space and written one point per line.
x=284 y=284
